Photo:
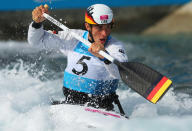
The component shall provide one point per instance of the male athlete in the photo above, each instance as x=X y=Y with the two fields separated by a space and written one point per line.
x=89 y=78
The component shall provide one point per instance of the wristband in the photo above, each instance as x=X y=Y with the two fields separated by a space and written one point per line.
x=36 y=25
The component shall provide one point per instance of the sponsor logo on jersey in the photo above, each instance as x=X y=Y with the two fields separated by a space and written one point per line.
x=121 y=51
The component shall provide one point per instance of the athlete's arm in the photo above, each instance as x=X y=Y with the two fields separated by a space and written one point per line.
x=43 y=39
x=39 y=37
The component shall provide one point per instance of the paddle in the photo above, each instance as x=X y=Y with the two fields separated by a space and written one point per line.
x=144 y=80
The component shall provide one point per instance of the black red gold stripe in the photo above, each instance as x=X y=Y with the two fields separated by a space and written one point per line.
x=159 y=89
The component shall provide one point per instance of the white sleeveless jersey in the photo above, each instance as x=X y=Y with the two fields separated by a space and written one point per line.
x=84 y=72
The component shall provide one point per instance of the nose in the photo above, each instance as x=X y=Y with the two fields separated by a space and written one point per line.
x=104 y=32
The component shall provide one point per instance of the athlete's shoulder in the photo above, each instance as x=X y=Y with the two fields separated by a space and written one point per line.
x=79 y=31
x=116 y=49
x=113 y=42
x=64 y=34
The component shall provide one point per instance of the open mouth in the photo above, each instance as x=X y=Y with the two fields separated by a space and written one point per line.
x=102 y=40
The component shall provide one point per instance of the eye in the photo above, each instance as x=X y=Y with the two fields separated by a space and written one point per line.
x=109 y=26
x=99 y=27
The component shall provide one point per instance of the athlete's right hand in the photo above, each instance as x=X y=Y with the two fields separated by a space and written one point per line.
x=37 y=13
x=95 y=48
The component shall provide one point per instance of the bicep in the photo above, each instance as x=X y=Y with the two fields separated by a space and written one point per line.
x=55 y=42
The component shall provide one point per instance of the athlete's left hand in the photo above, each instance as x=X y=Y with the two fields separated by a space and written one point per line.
x=95 y=48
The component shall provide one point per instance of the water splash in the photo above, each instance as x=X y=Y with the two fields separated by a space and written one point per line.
x=25 y=90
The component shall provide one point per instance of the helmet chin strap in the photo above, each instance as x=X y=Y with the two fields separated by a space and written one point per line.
x=91 y=35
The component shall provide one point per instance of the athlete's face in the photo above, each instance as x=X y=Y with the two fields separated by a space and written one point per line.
x=99 y=32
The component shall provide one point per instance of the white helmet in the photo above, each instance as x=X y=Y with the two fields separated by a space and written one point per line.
x=98 y=14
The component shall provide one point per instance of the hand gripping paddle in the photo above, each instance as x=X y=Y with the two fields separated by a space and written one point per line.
x=144 y=80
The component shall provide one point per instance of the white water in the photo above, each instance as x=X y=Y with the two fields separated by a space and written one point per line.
x=24 y=106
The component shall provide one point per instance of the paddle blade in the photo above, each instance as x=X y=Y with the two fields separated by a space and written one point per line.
x=144 y=80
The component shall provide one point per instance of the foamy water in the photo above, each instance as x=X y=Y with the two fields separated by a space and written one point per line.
x=25 y=103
